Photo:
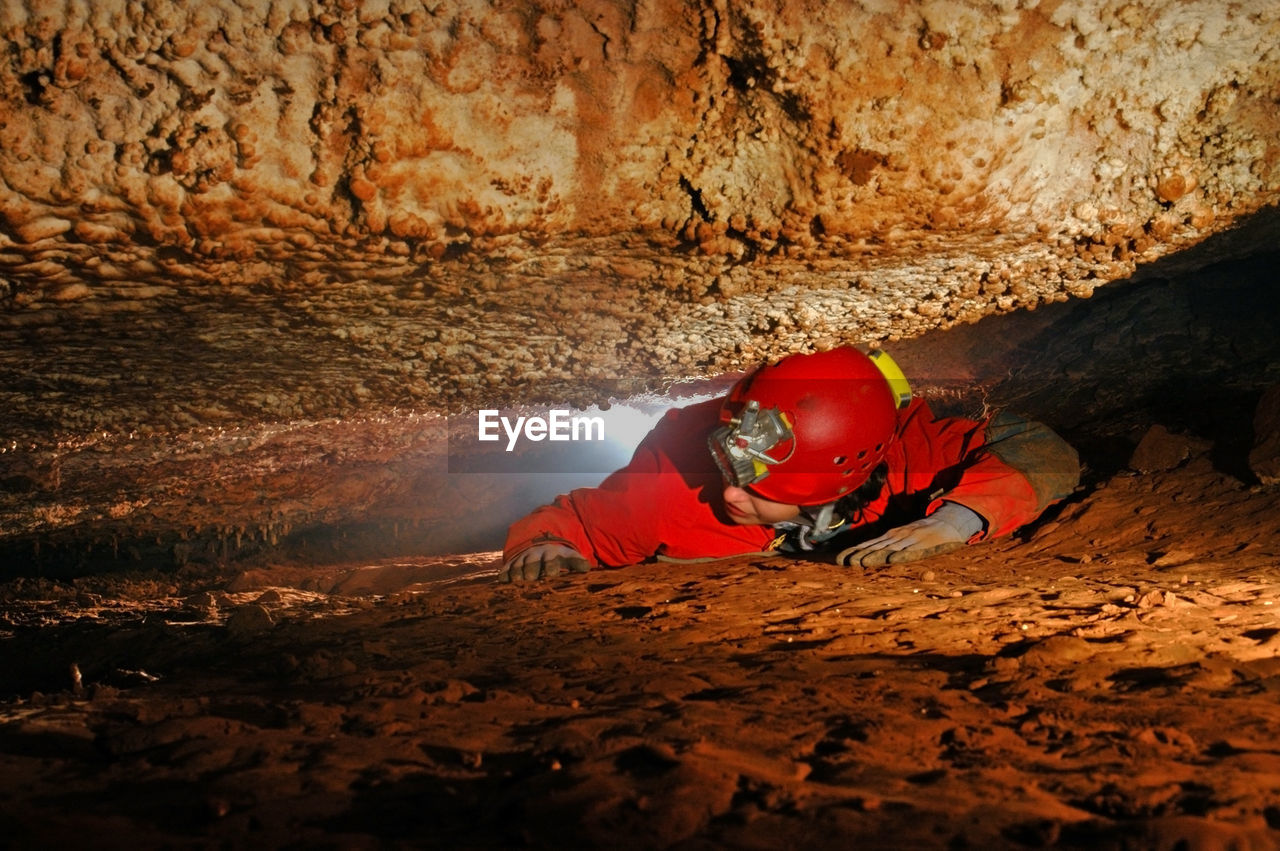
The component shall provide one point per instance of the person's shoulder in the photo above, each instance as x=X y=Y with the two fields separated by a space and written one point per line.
x=917 y=409
x=681 y=433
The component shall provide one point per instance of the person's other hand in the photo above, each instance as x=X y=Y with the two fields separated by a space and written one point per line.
x=543 y=561
x=948 y=528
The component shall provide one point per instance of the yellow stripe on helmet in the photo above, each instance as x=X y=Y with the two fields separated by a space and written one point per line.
x=898 y=384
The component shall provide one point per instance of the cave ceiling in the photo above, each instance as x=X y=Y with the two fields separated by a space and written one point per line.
x=228 y=214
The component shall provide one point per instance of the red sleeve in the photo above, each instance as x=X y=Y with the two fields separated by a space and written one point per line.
x=557 y=523
x=611 y=524
x=1020 y=468
x=952 y=459
x=665 y=502
x=1001 y=495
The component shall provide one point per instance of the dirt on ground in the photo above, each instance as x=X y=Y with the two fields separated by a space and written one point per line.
x=1109 y=678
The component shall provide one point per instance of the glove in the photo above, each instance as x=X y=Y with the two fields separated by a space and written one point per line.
x=543 y=561
x=948 y=528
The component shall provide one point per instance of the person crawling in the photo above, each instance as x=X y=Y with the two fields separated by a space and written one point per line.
x=818 y=452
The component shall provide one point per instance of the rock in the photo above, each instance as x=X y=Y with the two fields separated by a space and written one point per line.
x=202 y=604
x=1058 y=650
x=228 y=154
x=20 y=474
x=249 y=620
x=1161 y=449
x=1172 y=558
x=1151 y=598
x=1264 y=459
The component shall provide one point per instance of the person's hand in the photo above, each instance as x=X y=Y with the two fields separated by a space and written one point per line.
x=948 y=528
x=543 y=561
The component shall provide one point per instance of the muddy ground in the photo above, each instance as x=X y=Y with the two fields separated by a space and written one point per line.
x=1108 y=679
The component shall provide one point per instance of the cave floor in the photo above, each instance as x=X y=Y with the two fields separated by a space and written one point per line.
x=1107 y=679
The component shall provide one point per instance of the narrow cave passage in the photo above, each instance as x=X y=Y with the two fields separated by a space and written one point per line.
x=1104 y=678
x=1190 y=352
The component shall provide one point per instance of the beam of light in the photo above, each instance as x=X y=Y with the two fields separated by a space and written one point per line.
x=627 y=423
x=505 y=485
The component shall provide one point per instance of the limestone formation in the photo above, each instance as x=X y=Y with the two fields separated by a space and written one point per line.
x=711 y=182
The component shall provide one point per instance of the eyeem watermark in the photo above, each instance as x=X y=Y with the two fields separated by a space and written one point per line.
x=557 y=425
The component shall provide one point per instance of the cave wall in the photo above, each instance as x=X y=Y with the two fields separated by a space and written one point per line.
x=713 y=182
x=277 y=238
x=268 y=130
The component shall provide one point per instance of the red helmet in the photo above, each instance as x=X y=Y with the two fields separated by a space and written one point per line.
x=810 y=428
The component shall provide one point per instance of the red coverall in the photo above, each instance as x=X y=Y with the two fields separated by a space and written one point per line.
x=668 y=500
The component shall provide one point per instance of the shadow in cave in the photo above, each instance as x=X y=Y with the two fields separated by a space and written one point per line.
x=182 y=807
x=452 y=806
x=108 y=652
x=1187 y=346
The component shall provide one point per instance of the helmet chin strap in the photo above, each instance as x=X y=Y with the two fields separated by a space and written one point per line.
x=823 y=520
x=809 y=536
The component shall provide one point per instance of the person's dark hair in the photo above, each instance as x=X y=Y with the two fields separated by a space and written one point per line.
x=851 y=504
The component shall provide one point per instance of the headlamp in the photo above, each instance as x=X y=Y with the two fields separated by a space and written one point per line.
x=741 y=448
